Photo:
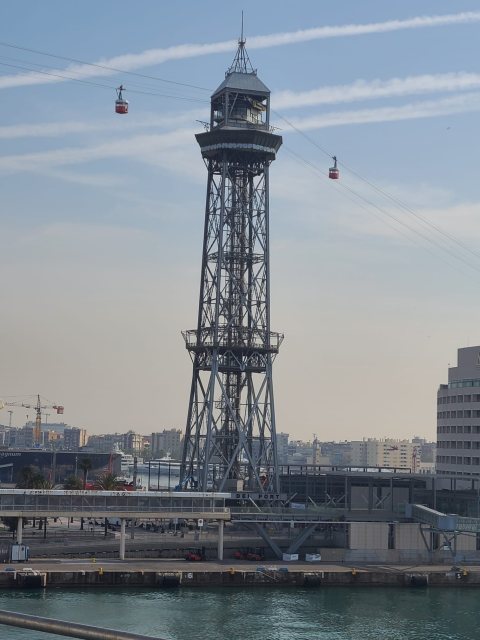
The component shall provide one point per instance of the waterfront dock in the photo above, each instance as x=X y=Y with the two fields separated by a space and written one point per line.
x=174 y=573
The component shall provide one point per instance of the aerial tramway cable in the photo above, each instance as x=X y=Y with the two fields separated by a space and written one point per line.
x=333 y=171
x=428 y=226
x=387 y=218
x=27 y=69
x=102 y=66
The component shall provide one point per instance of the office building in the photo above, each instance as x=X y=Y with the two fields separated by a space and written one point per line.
x=458 y=417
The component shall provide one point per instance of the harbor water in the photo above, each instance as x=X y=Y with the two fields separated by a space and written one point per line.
x=155 y=477
x=258 y=614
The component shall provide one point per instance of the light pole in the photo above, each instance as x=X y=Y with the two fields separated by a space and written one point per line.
x=10 y=419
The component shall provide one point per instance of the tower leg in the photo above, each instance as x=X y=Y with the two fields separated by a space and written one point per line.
x=220 y=539
x=19 y=530
x=122 y=539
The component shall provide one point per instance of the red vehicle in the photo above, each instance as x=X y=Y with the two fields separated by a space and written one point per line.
x=249 y=554
x=334 y=172
x=194 y=555
x=121 y=105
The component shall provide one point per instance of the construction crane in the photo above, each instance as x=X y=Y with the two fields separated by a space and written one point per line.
x=39 y=407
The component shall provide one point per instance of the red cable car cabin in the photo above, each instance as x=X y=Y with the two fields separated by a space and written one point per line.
x=121 y=105
x=334 y=172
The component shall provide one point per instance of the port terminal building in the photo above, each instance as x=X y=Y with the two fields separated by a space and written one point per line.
x=56 y=466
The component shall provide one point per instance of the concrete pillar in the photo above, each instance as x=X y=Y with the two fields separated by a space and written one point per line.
x=220 y=539
x=19 y=530
x=122 y=539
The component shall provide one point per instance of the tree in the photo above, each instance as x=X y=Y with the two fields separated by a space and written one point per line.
x=43 y=483
x=11 y=523
x=85 y=465
x=73 y=483
x=108 y=482
x=29 y=478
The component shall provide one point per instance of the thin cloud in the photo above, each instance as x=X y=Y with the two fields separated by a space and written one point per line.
x=374 y=89
x=57 y=129
x=335 y=94
x=136 y=147
x=131 y=62
x=320 y=33
x=152 y=148
x=428 y=109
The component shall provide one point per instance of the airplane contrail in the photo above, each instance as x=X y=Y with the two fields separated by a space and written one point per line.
x=374 y=89
x=150 y=57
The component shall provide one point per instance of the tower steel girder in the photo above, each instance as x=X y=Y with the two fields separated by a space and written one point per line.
x=230 y=436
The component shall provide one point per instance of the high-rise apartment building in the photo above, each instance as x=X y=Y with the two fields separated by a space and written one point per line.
x=74 y=438
x=105 y=443
x=133 y=442
x=458 y=417
x=387 y=452
x=282 y=448
x=166 y=441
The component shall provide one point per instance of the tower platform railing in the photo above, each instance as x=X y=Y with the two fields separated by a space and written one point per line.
x=233 y=338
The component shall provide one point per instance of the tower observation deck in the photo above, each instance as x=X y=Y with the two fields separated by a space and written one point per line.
x=230 y=441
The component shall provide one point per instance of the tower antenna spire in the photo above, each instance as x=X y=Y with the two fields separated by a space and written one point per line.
x=241 y=62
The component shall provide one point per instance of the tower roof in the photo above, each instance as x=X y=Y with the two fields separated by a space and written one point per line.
x=249 y=82
x=241 y=75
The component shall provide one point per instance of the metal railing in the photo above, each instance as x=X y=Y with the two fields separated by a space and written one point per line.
x=32 y=509
x=234 y=337
x=64 y=628
x=110 y=502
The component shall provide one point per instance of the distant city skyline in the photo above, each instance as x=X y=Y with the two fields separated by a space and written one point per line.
x=98 y=210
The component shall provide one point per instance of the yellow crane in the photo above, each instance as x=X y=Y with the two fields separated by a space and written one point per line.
x=38 y=407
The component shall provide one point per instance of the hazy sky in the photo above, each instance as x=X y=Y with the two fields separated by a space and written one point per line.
x=101 y=215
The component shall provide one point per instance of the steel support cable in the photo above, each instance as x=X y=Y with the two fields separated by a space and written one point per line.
x=371 y=204
x=102 y=66
x=27 y=66
x=385 y=193
x=408 y=209
x=306 y=136
x=349 y=197
x=397 y=201
x=64 y=628
x=446 y=249
x=382 y=219
x=99 y=84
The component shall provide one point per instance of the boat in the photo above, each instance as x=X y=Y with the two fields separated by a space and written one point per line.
x=165 y=460
x=126 y=461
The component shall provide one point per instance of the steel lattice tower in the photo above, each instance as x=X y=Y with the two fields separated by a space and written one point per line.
x=230 y=441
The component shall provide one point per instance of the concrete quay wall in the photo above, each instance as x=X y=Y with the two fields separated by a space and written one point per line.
x=262 y=576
